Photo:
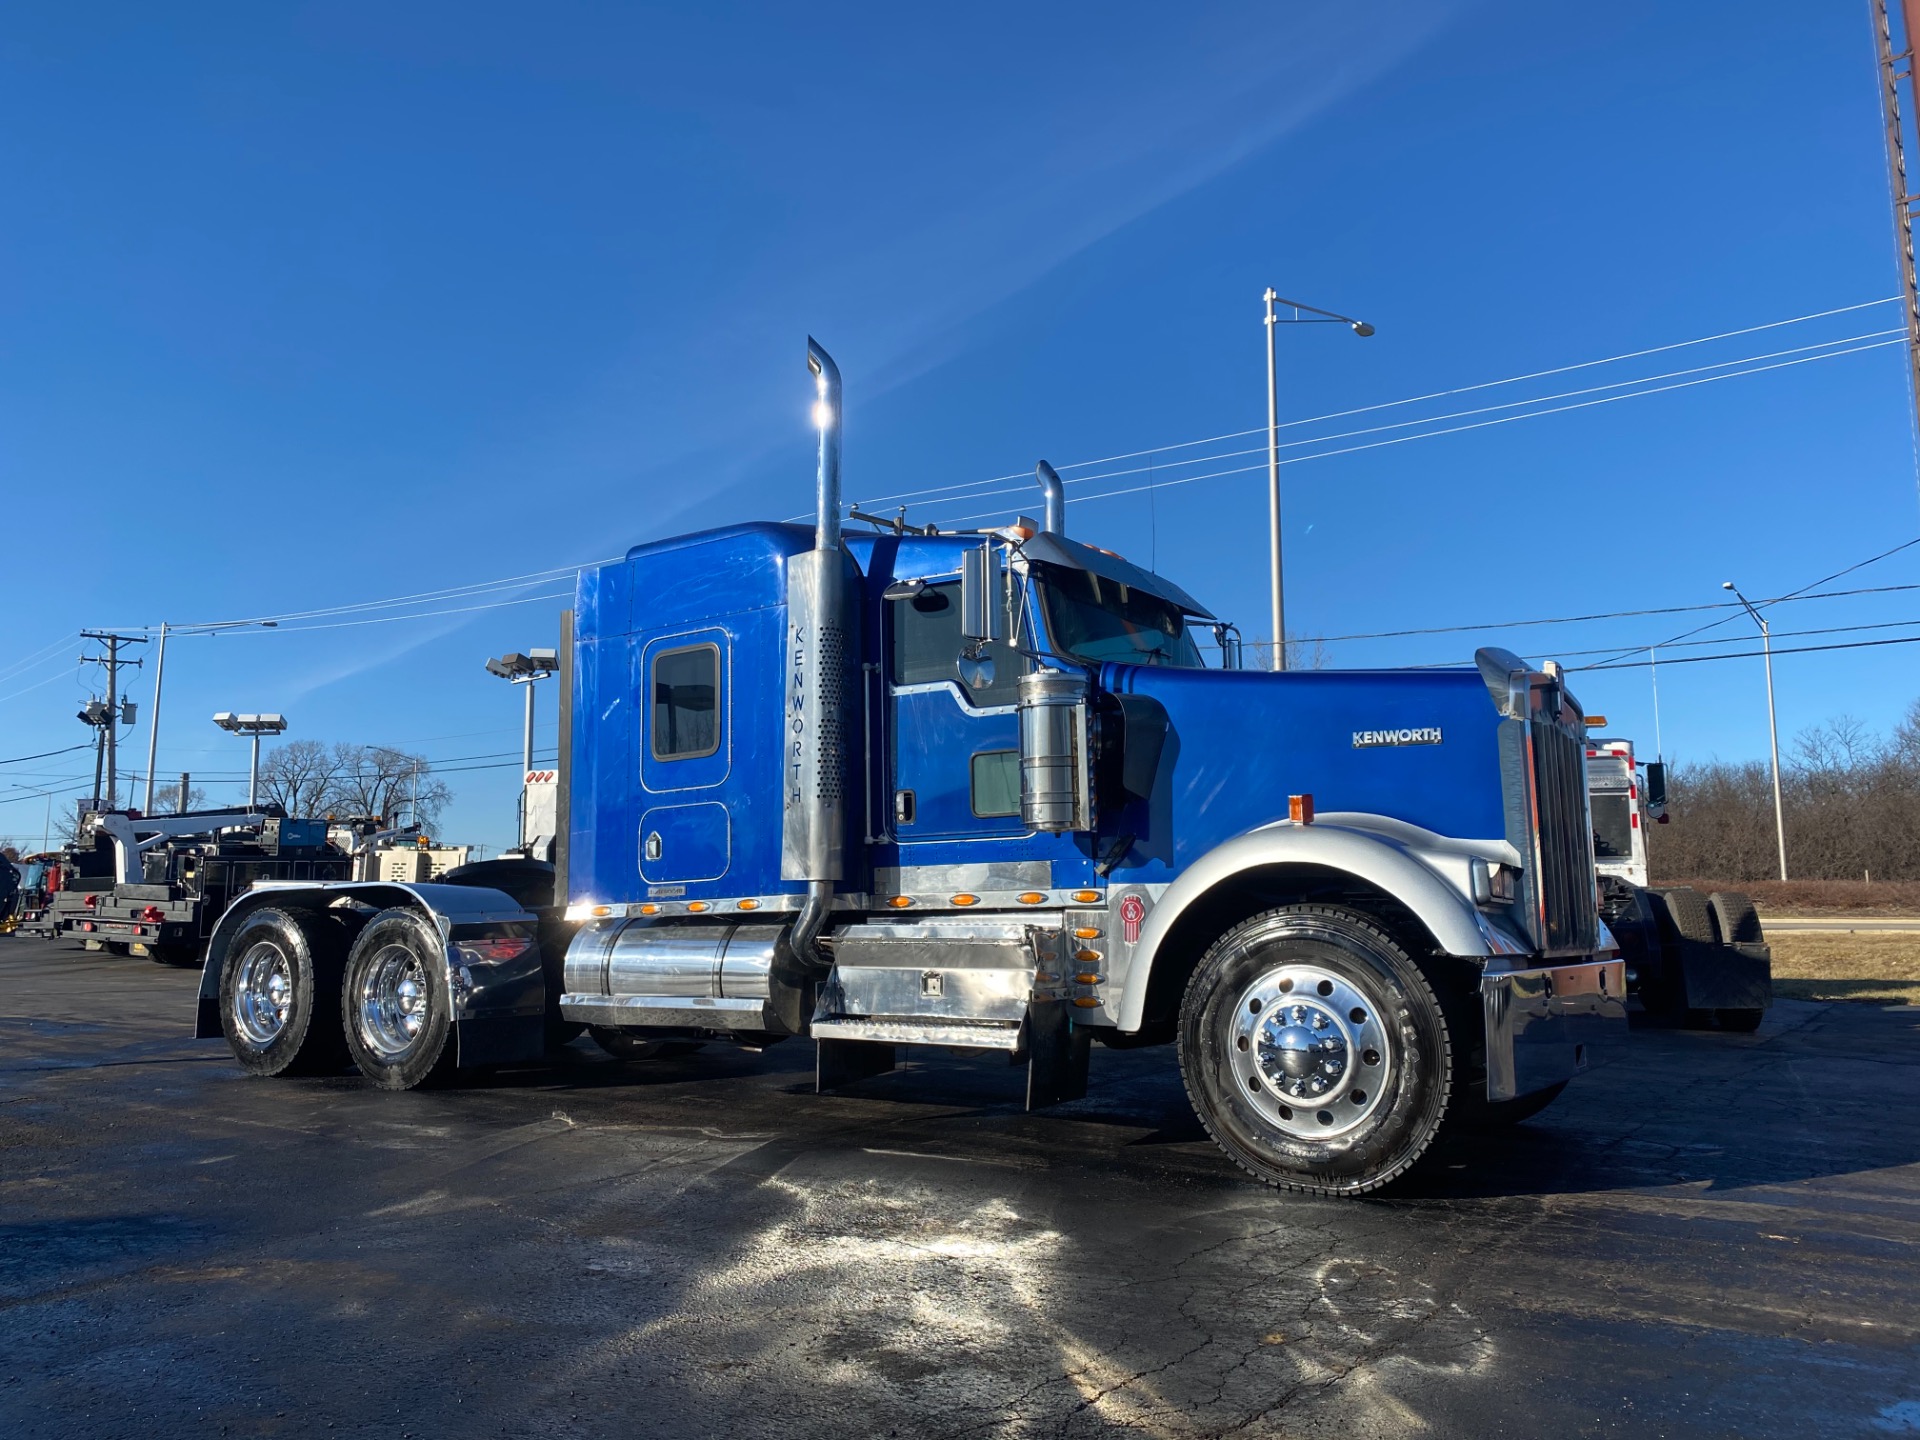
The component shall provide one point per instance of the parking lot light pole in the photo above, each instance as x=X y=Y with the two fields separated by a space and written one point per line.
x=525 y=670
x=1313 y=316
x=159 y=674
x=1773 y=730
x=256 y=726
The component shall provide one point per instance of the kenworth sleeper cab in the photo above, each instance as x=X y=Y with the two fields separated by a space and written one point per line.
x=977 y=790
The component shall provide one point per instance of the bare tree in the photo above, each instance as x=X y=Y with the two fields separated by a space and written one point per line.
x=303 y=776
x=1851 y=801
x=389 y=784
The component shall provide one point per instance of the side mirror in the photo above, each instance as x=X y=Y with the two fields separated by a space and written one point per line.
x=975 y=666
x=1656 y=786
x=981 y=594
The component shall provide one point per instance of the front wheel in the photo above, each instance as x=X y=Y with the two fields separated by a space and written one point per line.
x=395 y=1004
x=1316 y=1052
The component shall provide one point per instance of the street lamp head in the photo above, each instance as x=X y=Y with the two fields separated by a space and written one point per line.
x=1362 y=329
x=1726 y=584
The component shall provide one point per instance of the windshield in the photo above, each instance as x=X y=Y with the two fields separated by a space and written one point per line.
x=1612 y=826
x=1094 y=619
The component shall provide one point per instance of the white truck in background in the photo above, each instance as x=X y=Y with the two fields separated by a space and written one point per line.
x=1700 y=959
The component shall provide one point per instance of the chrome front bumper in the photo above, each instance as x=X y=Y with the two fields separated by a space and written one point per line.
x=1547 y=1025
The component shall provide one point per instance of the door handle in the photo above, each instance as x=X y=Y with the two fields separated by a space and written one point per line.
x=653 y=845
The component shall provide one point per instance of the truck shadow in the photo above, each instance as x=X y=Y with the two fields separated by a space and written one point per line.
x=1705 y=1110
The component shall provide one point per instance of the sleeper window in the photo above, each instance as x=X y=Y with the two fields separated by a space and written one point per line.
x=686 y=702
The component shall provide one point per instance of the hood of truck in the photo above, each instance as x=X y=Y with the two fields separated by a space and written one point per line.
x=1419 y=746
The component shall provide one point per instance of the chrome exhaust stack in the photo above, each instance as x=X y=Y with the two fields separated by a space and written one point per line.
x=814 y=726
x=1055 y=495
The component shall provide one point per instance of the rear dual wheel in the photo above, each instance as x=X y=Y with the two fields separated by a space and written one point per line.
x=1316 y=1052
x=277 y=992
x=395 y=1005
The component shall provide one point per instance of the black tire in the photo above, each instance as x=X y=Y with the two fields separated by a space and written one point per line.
x=180 y=957
x=1687 y=912
x=279 y=994
x=1735 y=918
x=395 y=1006
x=1369 y=1009
x=625 y=1045
x=1741 y=1022
x=119 y=947
x=1498 y=1114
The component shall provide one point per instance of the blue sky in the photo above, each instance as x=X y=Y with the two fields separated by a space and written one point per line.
x=307 y=306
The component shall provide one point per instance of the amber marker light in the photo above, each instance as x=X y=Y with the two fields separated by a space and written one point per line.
x=1086 y=932
x=1086 y=897
x=749 y=904
x=1032 y=897
x=966 y=899
x=900 y=902
x=649 y=909
x=600 y=910
x=696 y=906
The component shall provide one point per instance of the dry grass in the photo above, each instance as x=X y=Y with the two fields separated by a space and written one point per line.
x=1820 y=897
x=1884 y=969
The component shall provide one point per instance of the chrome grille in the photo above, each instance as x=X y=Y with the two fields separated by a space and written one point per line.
x=1561 y=877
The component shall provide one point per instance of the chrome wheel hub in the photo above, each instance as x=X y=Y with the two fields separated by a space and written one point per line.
x=1310 y=1051
x=263 y=992
x=393 y=1002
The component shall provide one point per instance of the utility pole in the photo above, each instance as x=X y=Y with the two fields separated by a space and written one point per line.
x=1891 y=73
x=1773 y=729
x=110 y=730
x=185 y=787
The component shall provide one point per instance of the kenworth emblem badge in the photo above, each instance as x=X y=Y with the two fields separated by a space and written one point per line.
x=1424 y=735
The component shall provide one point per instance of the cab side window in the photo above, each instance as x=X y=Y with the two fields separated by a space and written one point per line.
x=685 y=692
x=926 y=643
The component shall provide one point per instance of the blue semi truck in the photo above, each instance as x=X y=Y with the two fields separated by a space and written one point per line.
x=978 y=790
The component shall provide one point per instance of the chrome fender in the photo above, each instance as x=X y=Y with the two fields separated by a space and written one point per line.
x=499 y=1003
x=1426 y=872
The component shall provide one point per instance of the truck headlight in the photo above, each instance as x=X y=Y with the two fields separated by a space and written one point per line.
x=1494 y=884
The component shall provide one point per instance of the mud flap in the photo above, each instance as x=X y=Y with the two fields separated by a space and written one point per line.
x=1725 y=977
x=1057 y=1055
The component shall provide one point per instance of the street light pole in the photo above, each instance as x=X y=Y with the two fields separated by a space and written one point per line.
x=524 y=670
x=153 y=718
x=1273 y=492
x=1773 y=729
x=256 y=726
x=159 y=673
x=1322 y=317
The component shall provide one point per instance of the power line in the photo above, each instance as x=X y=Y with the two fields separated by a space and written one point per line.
x=1597 y=615
x=39 y=657
x=1790 y=595
x=22 y=759
x=1643 y=380
x=1460 y=429
x=1391 y=404
x=1752 y=654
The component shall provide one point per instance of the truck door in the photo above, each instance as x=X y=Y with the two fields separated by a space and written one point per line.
x=955 y=750
x=685 y=757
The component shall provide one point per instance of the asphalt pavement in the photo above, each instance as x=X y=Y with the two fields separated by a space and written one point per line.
x=1719 y=1236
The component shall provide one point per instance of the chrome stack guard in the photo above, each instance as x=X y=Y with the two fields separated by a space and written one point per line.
x=1546 y=1025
